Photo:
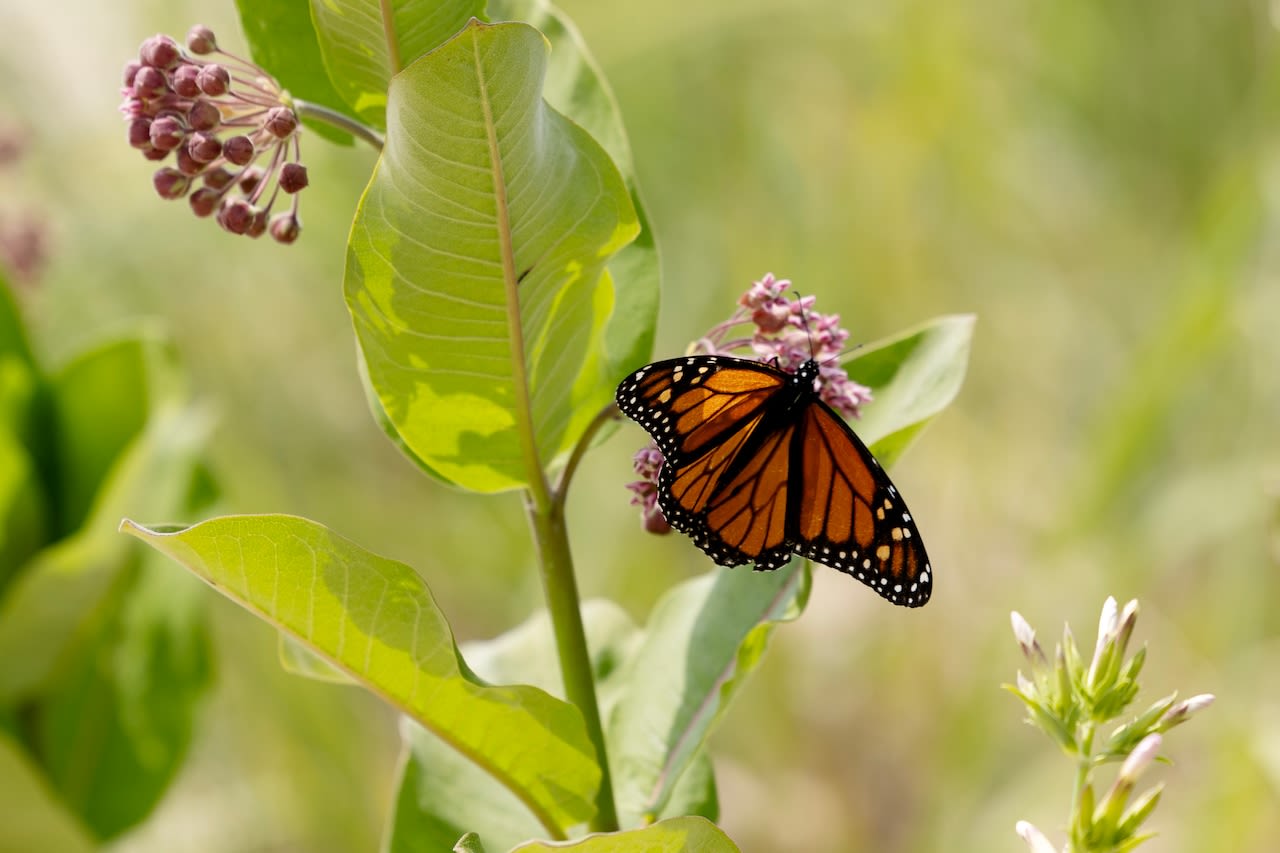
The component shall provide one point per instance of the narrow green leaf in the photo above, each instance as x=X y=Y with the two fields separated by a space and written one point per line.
x=914 y=375
x=703 y=638
x=43 y=612
x=367 y=42
x=31 y=818
x=283 y=41
x=441 y=794
x=375 y=619
x=115 y=728
x=488 y=212
x=676 y=835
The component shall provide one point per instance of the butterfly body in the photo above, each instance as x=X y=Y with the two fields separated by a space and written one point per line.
x=758 y=468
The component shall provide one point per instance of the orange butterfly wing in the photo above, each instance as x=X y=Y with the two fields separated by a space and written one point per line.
x=724 y=482
x=758 y=467
x=849 y=516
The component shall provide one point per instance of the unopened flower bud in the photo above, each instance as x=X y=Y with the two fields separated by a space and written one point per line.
x=171 y=184
x=218 y=179
x=214 y=80
x=153 y=153
x=149 y=83
x=1026 y=637
x=280 y=122
x=160 y=51
x=204 y=148
x=257 y=225
x=1142 y=756
x=167 y=133
x=1184 y=710
x=250 y=179
x=131 y=70
x=293 y=177
x=1036 y=840
x=134 y=107
x=238 y=150
x=184 y=80
x=200 y=40
x=655 y=522
x=140 y=132
x=187 y=164
x=236 y=215
x=204 y=116
x=285 y=228
x=204 y=201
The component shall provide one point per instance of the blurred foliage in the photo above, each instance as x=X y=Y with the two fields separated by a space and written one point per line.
x=1098 y=182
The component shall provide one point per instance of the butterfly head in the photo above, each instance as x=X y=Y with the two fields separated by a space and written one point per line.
x=806 y=374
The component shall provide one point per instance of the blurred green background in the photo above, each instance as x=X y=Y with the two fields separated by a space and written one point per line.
x=1097 y=181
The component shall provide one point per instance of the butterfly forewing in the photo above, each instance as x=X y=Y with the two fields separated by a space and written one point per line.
x=757 y=467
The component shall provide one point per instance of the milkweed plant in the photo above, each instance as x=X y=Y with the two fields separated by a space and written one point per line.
x=501 y=279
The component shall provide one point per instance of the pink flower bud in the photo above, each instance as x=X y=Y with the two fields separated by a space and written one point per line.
x=285 y=228
x=149 y=83
x=204 y=148
x=293 y=177
x=238 y=150
x=160 y=51
x=236 y=215
x=204 y=200
x=167 y=133
x=140 y=132
x=184 y=80
x=131 y=70
x=213 y=80
x=250 y=179
x=204 y=116
x=133 y=108
x=187 y=164
x=153 y=153
x=200 y=40
x=656 y=523
x=171 y=184
x=257 y=225
x=218 y=179
x=280 y=122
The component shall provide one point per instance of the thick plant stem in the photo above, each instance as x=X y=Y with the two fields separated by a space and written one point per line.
x=561 y=590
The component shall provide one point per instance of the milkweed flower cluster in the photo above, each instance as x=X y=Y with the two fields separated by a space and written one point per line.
x=1069 y=699
x=230 y=128
x=783 y=330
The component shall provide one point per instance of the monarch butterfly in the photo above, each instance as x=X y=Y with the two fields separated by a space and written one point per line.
x=758 y=467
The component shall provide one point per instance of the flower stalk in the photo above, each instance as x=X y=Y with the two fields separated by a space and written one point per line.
x=1071 y=700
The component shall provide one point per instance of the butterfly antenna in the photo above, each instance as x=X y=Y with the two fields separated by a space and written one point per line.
x=804 y=318
x=844 y=352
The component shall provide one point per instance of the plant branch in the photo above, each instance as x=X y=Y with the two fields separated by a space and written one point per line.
x=561 y=491
x=333 y=118
x=561 y=589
